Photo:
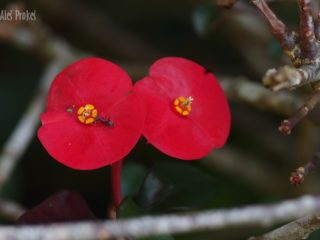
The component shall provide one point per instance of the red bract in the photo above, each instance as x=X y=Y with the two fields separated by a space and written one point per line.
x=92 y=118
x=187 y=112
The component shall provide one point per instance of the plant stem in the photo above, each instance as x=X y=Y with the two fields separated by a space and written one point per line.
x=116 y=169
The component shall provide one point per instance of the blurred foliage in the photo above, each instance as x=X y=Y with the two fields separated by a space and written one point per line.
x=167 y=187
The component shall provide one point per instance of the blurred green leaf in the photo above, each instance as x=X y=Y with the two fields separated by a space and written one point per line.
x=176 y=185
x=202 y=17
x=132 y=178
x=129 y=208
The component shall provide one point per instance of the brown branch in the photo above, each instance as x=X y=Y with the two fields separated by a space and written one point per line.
x=317 y=26
x=251 y=216
x=306 y=68
x=305 y=58
x=308 y=42
x=295 y=230
x=288 y=124
x=291 y=77
x=286 y=38
x=243 y=90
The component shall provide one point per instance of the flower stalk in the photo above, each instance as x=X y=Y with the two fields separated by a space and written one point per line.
x=116 y=169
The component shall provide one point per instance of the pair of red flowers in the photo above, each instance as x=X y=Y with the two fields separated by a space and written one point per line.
x=95 y=116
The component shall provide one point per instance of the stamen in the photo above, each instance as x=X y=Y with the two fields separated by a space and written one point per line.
x=87 y=114
x=182 y=105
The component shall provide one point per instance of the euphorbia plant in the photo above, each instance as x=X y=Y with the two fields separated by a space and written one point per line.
x=187 y=112
x=92 y=118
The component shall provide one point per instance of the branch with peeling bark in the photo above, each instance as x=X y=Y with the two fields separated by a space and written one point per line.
x=251 y=216
x=296 y=230
x=244 y=90
x=303 y=49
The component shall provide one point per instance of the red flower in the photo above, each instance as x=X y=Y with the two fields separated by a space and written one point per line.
x=187 y=112
x=92 y=117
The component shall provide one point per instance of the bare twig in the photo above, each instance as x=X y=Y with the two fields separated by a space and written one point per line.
x=308 y=42
x=25 y=129
x=296 y=230
x=254 y=216
x=244 y=90
x=304 y=52
x=287 y=39
x=297 y=177
x=304 y=55
x=245 y=168
x=288 y=124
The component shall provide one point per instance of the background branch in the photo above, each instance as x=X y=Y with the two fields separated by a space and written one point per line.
x=251 y=216
x=10 y=211
x=24 y=131
x=296 y=230
x=246 y=168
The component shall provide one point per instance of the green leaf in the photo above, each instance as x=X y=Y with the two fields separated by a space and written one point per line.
x=176 y=185
x=132 y=178
x=129 y=209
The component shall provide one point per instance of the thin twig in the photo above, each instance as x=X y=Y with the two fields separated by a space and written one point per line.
x=251 y=216
x=246 y=91
x=58 y=53
x=23 y=133
x=288 y=124
x=287 y=39
x=245 y=168
x=304 y=55
x=297 y=176
x=296 y=230
x=307 y=36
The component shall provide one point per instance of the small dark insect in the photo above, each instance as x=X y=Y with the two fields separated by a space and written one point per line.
x=106 y=121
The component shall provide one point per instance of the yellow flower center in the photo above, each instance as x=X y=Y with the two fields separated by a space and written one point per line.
x=87 y=114
x=182 y=105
